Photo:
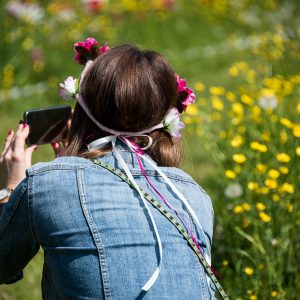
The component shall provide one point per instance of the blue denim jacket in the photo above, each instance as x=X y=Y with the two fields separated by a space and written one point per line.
x=96 y=234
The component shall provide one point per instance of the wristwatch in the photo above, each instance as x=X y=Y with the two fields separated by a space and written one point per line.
x=5 y=193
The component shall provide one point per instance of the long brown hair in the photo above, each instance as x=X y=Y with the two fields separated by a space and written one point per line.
x=128 y=90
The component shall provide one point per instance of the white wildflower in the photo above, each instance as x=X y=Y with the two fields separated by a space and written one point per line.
x=234 y=190
x=69 y=88
x=172 y=123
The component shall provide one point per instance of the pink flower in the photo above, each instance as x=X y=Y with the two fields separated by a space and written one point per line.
x=186 y=95
x=94 y=6
x=104 y=48
x=88 y=50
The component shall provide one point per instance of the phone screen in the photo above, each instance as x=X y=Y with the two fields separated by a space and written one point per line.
x=47 y=125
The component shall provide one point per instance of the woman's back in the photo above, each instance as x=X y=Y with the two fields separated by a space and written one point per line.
x=97 y=236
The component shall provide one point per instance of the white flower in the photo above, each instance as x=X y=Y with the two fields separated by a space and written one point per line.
x=69 y=88
x=234 y=190
x=27 y=12
x=268 y=101
x=172 y=123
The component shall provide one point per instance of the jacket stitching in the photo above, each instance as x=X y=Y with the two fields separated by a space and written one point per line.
x=150 y=173
x=95 y=234
x=31 y=208
x=201 y=271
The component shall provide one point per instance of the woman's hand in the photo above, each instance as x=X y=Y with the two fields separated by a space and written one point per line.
x=15 y=158
x=60 y=148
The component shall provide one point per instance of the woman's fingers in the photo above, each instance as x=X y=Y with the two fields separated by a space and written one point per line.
x=8 y=141
x=58 y=149
x=18 y=144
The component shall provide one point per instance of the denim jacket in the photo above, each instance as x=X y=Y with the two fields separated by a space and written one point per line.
x=96 y=234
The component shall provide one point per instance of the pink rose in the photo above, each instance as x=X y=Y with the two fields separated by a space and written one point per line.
x=87 y=50
x=186 y=96
x=104 y=48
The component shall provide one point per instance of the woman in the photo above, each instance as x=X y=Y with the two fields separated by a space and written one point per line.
x=101 y=239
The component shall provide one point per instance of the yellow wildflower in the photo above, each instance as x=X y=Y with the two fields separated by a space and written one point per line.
x=275 y=198
x=284 y=170
x=258 y=147
x=283 y=136
x=274 y=294
x=230 y=174
x=271 y=183
x=255 y=113
x=222 y=134
x=260 y=206
x=296 y=130
x=217 y=90
x=266 y=136
x=27 y=44
x=251 y=75
x=264 y=217
x=192 y=110
x=253 y=297
x=236 y=121
x=252 y=185
x=249 y=271
x=286 y=122
x=246 y=206
x=283 y=157
x=237 y=108
x=261 y=168
x=287 y=188
x=199 y=86
x=241 y=129
x=230 y=96
x=290 y=208
x=246 y=99
x=233 y=71
x=273 y=173
x=298 y=150
x=217 y=103
x=225 y=263
x=298 y=107
x=264 y=190
x=237 y=169
x=238 y=140
x=238 y=209
x=239 y=158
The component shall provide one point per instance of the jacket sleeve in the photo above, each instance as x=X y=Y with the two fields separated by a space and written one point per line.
x=17 y=242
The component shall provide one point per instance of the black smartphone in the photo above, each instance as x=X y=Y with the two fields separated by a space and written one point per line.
x=47 y=125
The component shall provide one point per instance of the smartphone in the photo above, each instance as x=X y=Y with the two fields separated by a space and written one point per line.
x=47 y=125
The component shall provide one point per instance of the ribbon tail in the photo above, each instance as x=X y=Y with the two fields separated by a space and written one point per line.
x=176 y=191
x=155 y=275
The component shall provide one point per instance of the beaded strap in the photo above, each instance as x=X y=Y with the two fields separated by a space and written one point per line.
x=173 y=220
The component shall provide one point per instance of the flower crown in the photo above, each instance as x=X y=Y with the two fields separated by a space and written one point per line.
x=88 y=51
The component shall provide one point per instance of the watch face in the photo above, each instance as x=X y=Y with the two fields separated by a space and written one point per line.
x=4 y=193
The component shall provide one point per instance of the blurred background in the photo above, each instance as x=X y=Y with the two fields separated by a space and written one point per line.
x=242 y=136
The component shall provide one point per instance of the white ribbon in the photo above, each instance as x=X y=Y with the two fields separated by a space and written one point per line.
x=112 y=139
